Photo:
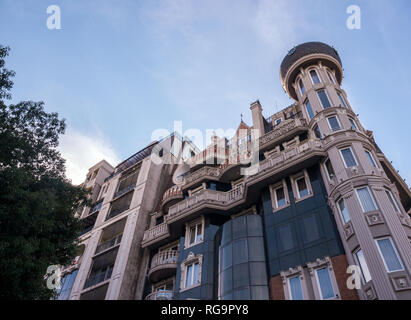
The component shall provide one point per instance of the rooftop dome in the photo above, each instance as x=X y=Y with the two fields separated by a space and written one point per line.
x=308 y=53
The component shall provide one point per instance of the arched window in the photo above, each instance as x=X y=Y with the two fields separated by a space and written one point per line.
x=314 y=77
x=301 y=85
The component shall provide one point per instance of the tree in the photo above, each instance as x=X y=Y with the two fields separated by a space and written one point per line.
x=37 y=201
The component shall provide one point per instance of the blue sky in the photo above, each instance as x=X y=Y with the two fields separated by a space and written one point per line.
x=118 y=70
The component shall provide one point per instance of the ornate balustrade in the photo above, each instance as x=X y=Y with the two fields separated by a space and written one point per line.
x=153 y=234
x=160 y=295
x=163 y=265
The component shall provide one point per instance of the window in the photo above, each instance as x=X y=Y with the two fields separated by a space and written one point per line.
x=317 y=132
x=192 y=274
x=353 y=124
x=278 y=121
x=309 y=109
x=331 y=77
x=324 y=283
x=325 y=102
x=366 y=199
x=360 y=261
x=301 y=85
x=343 y=211
x=370 y=158
x=392 y=200
x=389 y=254
x=314 y=77
x=348 y=157
x=334 y=123
x=302 y=187
x=330 y=170
x=194 y=233
x=342 y=99
x=279 y=195
x=296 y=290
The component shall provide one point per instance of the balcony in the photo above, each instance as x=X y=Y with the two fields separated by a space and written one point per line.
x=98 y=278
x=211 y=173
x=171 y=196
x=119 y=193
x=109 y=244
x=206 y=197
x=155 y=234
x=163 y=265
x=283 y=132
x=160 y=295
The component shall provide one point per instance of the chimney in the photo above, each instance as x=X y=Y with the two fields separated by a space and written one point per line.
x=257 y=114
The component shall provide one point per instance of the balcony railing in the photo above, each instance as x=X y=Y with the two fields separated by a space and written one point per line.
x=204 y=196
x=160 y=295
x=281 y=131
x=116 y=212
x=164 y=257
x=123 y=191
x=108 y=244
x=155 y=232
x=98 y=278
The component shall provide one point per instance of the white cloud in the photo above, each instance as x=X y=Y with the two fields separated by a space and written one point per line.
x=82 y=151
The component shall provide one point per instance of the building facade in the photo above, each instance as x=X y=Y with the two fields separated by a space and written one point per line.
x=279 y=211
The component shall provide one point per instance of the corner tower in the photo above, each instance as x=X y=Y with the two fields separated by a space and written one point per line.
x=373 y=224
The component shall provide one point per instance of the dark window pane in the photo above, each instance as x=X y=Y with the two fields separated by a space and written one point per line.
x=241 y=275
x=324 y=99
x=258 y=273
x=256 y=249
x=240 y=251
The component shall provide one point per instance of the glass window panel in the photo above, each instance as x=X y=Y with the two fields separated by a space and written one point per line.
x=241 y=277
x=314 y=77
x=343 y=210
x=324 y=99
x=302 y=187
x=348 y=157
x=258 y=273
x=324 y=281
x=286 y=238
x=334 y=124
x=189 y=276
x=392 y=200
x=302 y=88
x=392 y=261
x=311 y=229
x=240 y=251
x=242 y=294
x=196 y=275
x=259 y=293
x=342 y=100
x=353 y=124
x=256 y=249
x=309 y=109
x=199 y=235
x=226 y=280
x=296 y=290
x=331 y=77
x=254 y=225
x=366 y=199
x=192 y=235
x=239 y=227
x=330 y=169
x=360 y=260
x=369 y=156
x=280 y=197
x=226 y=256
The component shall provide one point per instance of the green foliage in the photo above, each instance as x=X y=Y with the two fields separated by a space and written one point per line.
x=37 y=201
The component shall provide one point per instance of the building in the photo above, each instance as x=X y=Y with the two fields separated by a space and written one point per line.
x=280 y=211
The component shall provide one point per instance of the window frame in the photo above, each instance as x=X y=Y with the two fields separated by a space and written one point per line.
x=343 y=159
x=189 y=226
x=342 y=100
x=274 y=202
x=191 y=260
x=358 y=263
x=307 y=101
x=294 y=179
x=326 y=169
x=372 y=198
x=318 y=76
x=341 y=214
x=370 y=158
x=392 y=199
x=395 y=251
x=299 y=82
x=338 y=121
x=330 y=76
x=318 y=283
x=328 y=98
x=352 y=122
x=289 y=286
